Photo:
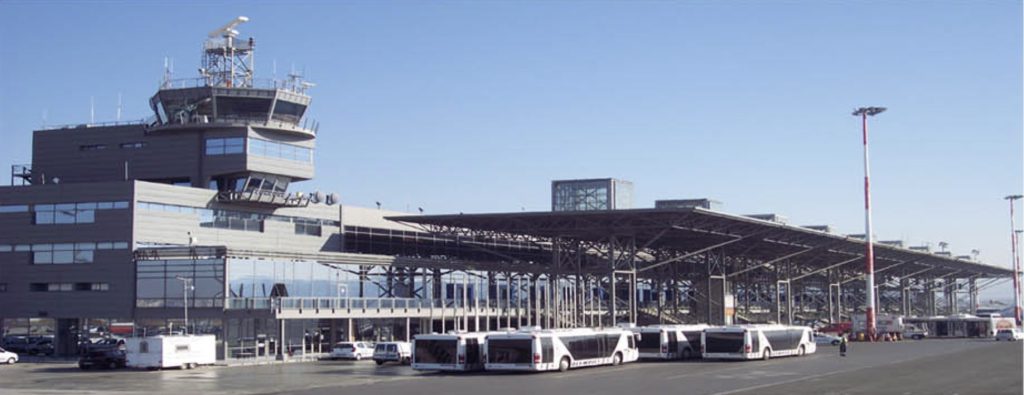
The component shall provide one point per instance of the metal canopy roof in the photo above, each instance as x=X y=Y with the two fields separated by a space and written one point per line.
x=691 y=229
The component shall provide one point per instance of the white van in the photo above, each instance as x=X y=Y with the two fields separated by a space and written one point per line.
x=559 y=349
x=400 y=352
x=177 y=351
x=757 y=342
x=669 y=341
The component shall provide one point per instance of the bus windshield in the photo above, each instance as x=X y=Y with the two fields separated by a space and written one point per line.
x=435 y=351
x=723 y=342
x=517 y=351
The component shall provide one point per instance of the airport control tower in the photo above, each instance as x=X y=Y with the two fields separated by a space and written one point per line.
x=225 y=130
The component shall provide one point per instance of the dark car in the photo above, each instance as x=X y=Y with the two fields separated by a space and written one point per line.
x=17 y=344
x=109 y=358
x=43 y=346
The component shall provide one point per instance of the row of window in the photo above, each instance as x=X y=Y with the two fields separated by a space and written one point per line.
x=73 y=213
x=241 y=220
x=225 y=146
x=64 y=253
x=68 y=287
x=14 y=208
x=273 y=149
x=97 y=147
x=259 y=147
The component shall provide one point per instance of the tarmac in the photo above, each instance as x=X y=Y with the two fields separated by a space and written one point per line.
x=933 y=366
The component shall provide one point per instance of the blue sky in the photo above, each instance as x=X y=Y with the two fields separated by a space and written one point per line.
x=476 y=106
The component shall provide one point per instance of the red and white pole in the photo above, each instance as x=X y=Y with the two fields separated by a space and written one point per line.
x=870 y=269
x=1016 y=262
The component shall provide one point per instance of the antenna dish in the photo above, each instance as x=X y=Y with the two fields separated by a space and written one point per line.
x=332 y=199
x=317 y=197
x=228 y=30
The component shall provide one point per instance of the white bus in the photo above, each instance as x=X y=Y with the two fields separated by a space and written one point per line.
x=757 y=342
x=559 y=349
x=669 y=341
x=453 y=351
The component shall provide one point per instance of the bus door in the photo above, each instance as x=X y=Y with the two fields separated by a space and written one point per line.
x=673 y=342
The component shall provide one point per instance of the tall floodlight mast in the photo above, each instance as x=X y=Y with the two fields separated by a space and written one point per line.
x=226 y=61
x=1015 y=257
x=869 y=313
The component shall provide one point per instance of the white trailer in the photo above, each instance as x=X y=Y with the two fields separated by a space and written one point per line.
x=177 y=351
x=456 y=351
x=669 y=341
x=559 y=349
x=757 y=342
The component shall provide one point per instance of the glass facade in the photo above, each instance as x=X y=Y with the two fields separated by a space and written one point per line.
x=225 y=146
x=591 y=195
x=273 y=149
x=64 y=253
x=158 y=284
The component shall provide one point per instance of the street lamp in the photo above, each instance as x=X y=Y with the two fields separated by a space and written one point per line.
x=869 y=314
x=186 y=284
x=1016 y=260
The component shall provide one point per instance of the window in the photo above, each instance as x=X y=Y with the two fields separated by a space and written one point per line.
x=73 y=213
x=306 y=227
x=70 y=253
x=17 y=208
x=273 y=149
x=92 y=147
x=93 y=287
x=133 y=145
x=225 y=146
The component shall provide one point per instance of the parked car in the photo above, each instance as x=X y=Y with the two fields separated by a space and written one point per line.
x=17 y=343
x=8 y=357
x=43 y=346
x=400 y=352
x=352 y=350
x=1009 y=335
x=110 y=358
x=826 y=339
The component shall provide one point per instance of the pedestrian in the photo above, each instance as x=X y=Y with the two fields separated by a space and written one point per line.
x=842 y=346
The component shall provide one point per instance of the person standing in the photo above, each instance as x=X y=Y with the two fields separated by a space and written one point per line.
x=842 y=346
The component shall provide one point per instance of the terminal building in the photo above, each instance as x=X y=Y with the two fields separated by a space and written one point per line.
x=190 y=221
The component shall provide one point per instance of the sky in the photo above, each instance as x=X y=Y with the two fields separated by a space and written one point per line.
x=460 y=106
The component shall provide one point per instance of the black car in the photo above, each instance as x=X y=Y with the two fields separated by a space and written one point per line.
x=111 y=358
x=43 y=346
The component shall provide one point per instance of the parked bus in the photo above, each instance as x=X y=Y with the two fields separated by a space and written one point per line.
x=559 y=349
x=669 y=341
x=459 y=352
x=757 y=342
x=963 y=325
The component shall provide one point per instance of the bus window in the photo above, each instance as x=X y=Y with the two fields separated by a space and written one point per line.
x=547 y=350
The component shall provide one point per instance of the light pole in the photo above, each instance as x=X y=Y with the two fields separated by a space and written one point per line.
x=186 y=284
x=869 y=314
x=1016 y=259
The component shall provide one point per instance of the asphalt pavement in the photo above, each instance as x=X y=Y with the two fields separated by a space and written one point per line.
x=939 y=366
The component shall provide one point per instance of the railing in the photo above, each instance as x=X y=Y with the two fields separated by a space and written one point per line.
x=308 y=125
x=257 y=83
x=355 y=305
x=265 y=197
x=141 y=121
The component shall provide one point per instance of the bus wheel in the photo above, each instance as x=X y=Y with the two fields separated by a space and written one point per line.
x=617 y=359
x=563 y=365
x=766 y=354
x=800 y=352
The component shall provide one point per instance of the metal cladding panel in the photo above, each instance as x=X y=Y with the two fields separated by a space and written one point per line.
x=114 y=267
x=373 y=218
x=173 y=228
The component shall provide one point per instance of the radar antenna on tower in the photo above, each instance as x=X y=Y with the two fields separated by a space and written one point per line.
x=227 y=62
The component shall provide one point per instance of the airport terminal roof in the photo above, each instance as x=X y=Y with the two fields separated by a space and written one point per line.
x=686 y=230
